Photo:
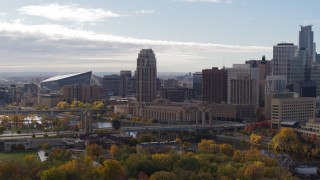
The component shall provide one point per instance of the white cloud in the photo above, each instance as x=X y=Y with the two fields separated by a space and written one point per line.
x=51 y=47
x=209 y=1
x=58 y=12
x=57 y=32
x=144 y=11
x=2 y=14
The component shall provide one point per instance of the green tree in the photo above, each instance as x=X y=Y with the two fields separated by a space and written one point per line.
x=227 y=170
x=163 y=161
x=116 y=124
x=204 y=176
x=137 y=163
x=58 y=156
x=112 y=169
x=45 y=146
x=163 y=175
x=54 y=173
x=188 y=163
x=145 y=138
x=2 y=129
x=114 y=151
x=31 y=166
x=10 y=170
x=94 y=150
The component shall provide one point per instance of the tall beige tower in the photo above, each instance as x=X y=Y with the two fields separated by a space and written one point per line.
x=146 y=76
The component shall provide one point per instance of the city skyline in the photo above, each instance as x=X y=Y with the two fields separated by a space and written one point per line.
x=77 y=36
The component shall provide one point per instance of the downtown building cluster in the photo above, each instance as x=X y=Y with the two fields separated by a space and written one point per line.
x=283 y=89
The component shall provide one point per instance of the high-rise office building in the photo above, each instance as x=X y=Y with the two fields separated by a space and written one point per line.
x=245 y=77
x=170 y=83
x=146 y=76
x=298 y=70
x=275 y=84
x=265 y=69
x=177 y=94
x=315 y=76
x=215 y=85
x=197 y=85
x=283 y=54
x=123 y=85
x=77 y=92
x=111 y=84
x=243 y=90
x=306 y=42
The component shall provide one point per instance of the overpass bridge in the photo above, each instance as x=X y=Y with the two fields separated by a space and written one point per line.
x=215 y=127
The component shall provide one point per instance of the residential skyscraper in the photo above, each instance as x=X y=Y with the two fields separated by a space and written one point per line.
x=215 y=85
x=146 y=76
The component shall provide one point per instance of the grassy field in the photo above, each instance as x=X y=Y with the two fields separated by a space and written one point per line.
x=17 y=156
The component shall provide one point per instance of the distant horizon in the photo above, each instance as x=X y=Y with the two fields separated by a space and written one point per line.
x=38 y=74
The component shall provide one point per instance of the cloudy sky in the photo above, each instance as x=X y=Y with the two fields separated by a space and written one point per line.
x=106 y=35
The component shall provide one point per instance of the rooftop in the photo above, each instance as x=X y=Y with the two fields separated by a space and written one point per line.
x=55 y=78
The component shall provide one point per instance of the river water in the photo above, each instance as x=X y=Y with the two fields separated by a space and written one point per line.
x=100 y=125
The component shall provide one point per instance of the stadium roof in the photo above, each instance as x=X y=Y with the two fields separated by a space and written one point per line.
x=55 y=78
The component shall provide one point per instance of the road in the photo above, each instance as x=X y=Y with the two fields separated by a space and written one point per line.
x=37 y=134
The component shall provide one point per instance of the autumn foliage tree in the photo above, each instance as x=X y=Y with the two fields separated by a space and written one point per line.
x=112 y=169
x=163 y=175
x=94 y=150
x=208 y=146
x=114 y=151
x=63 y=105
x=254 y=170
x=286 y=139
x=163 y=161
x=255 y=138
x=98 y=105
